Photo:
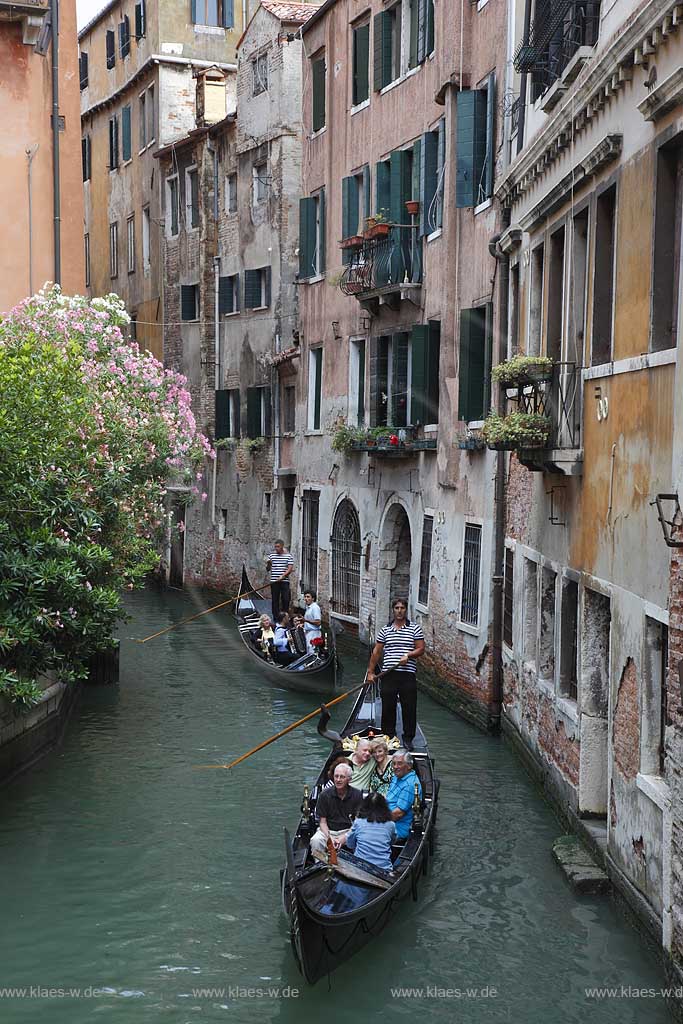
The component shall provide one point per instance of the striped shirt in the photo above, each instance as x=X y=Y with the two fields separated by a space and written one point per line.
x=398 y=642
x=279 y=564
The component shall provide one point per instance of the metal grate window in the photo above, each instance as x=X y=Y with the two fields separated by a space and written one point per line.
x=471 y=566
x=425 y=560
x=508 y=592
x=309 y=540
x=346 y=554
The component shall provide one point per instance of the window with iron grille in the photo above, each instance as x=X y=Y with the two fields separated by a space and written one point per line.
x=346 y=552
x=310 y=508
x=508 y=593
x=471 y=569
x=425 y=561
x=259 y=68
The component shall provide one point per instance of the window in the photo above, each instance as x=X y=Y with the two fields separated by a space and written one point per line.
x=404 y=379
x=546 y=640
x=596 y=623
x=471 y=568
x=536 y=301
x=413 y=20
x=258 y=412
x=360 y=89
x=432 y=154
x=219 y=13
x=130 y=236
x=318 y=76
x=133 y=326
x=355 y=206
x=474 y=144
x=151 y=116
x=114 y=249
x=227 y=413
x=654 y=714
x=387 y=46
x=83 y=70
x=140 y=20
x=142 y=125
x=146 y=238
x=513 y=312
x=310 y=508
x=346 y=554
x=603 y=275
x=113 y=143
x=315 y=387
x=229 y=294
x=86 y=157
x=569 y=611
x=555 y=295
x=86 y=252
x=172 y=204
x=425 y=561
x=474 y=369
x=189 y=302
x=530 y=609
x=111 y=48
x=288 y=409
x=257 y=288
x=124 y=37
x=576 y=321
x=259 y=72
x=666 y=268
x=508 y=596
x=357 y=382
x=125 y=134
x=312 y=236
x=192 y=197
x=260 y=183
x=231 y=193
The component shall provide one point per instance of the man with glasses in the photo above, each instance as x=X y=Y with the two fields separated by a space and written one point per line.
x=398 y=645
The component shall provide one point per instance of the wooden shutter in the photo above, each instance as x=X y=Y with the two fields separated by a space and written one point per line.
x=318 y=383
x=225 y=295
x=433 y=363
x=490 y=135
x=124 y=37
x=383 y=188
x=400 y=187
x=228 y=13
x=361 y=60
x=253 y=412
x=322 y=233
x=188 y=305
x=421 y=30
x=379 y=380
x=415 y=192
x=377 y=51
x=252 y=289
x=140 y=26
x=429 y=27
x=470 y=145
x=428 y=174
x=266 y=272
x=83 y=70
x=307 y=239
x=418 y=377
x=366 y=189
x=472 y=365
x=193 y=11
x=349 y=212
x=125 y=133
x=267 y=411
x=236 y=294
x=399 y=380
x=318 y=94
x=113 y=142
x=236 y=406
x=111 y=48
x=222 y=414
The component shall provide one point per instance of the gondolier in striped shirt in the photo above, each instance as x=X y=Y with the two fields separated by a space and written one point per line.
x=280 y=566
x=397 y=647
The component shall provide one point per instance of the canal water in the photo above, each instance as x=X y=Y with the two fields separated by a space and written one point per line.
x=129 y=875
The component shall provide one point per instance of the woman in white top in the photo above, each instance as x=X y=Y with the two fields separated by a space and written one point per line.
x=312 y=619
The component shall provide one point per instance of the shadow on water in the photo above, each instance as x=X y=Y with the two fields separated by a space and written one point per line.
x=125 y=870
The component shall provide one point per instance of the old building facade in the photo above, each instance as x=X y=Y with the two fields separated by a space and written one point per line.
x=136 y=65
x=42 y=236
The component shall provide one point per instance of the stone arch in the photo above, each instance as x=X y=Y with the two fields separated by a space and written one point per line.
x=346 y=556
x=395 y=559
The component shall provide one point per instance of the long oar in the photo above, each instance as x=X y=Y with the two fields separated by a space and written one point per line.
x=294 y=725
x=206 y=611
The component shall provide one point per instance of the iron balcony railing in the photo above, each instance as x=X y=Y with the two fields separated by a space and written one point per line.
x=395 y=259
x=558 y=30
x=560 y=399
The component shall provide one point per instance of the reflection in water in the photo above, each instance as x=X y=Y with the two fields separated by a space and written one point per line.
x=125 y=870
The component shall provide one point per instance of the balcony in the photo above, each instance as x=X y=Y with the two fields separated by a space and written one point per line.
x=560 y=399
x=560 y=40
x=385 y=270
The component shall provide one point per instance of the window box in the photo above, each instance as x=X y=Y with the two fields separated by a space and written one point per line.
x=354 y=242
x=377 y=229
x=521 y=371
x=518 y=430
x=472 y=444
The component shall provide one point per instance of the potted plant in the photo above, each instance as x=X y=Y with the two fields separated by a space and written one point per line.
x=352 y=242
x=413 y=207
x=344 y=438
x=377 y=226
x=254 y=444
x=522 y=370
x=470 y=442
x=518 y=430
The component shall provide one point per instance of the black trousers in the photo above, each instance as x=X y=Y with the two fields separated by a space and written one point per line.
x=280 y=598
x=395 y=685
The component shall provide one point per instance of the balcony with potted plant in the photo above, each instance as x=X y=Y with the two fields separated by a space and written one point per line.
x=383 y=442
x=385 y=264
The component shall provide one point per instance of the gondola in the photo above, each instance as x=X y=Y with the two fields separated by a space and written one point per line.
x=334 y=912
x=316 y=672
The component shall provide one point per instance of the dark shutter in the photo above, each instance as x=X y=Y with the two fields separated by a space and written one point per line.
x=433 y=362
x=383 y=188
x=266 y=272
x=193 y=11
x=419 y=337
x=267 y=411
x=413 y=41
x=140 y=27
x=253 y=412
x=113 y=143
x=387 y=44
x=429 y=28
x=366 y=189
x=490 y=135
x=225 y=295
x=307 y=239
x=188 y=305
x=111 y=48
x=361 y=59
x=350 y=225
x=379 y=381
x=377 y=51
x=428 y=171
x=228 y=13
x=470 y=145
x=399 y=380
x=125 y=133
x=236 y=294
x=222 y=415
x=318 y=94
x=421 y=29
x=400 y=188
x=472 y=365
x=322 y=237
x=86 y=156
x=252 y=289
x=236 y=408
x=83 y=70
x=124 y=37
x=317 y=395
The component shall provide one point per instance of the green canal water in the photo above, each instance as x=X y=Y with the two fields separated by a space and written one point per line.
x=124 y=870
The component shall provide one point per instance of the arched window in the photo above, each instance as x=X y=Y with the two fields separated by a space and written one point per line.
x=346 y=560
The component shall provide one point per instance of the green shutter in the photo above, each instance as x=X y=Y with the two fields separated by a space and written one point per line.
x=125 y=133
x=318 y=94
x=253 y=412
x=490 y=135
x=252 y=289
x=379 y=380
x=383 y=188
x=318 y=364
x=360 y=411
x=421 y=6
x=361 y=59
x=322 y=237
x=268 y=418
x=228 y=13
x=429 y=28
x=193 y=11
x=387 y=44
x=488 y=356
x=433 y=362
x=472 y=365
x=225 y=295
x=418 y=375
x=428 y=175
x=470 y=146
x=399 y=380
x=307 y=239
x=222 y=414
x=188 y=309
x=400 y=187
x=415 y=192
x=377 y=51
x=266 y=286
x=366 y=190
x=416 y=8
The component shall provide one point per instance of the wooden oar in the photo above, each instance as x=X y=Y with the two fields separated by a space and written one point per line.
x=206 y=611
x=278 y=735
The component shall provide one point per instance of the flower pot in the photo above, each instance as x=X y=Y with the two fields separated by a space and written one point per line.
x=353 y=242
x=471 y=444
x=501 y=446
x=378 y=231
x=413 y=207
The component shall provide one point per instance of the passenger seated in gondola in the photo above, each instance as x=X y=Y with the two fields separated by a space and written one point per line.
x=383 y=772
x=373 y=832
x=266 y=638
x=299 y=634
x=363 y=765
x=282 y=641
x=401 y=793
x=337 y=808
x=341 y=759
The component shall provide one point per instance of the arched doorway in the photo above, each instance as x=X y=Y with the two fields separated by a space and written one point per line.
x=395 y=557
x=346 y=560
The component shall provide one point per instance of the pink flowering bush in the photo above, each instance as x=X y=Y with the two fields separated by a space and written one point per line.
x=91 y=431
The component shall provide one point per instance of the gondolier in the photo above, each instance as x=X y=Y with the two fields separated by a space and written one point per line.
x=280 y=566
x=397 y=647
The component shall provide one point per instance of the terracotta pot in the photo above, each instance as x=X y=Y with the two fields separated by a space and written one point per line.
x=378 y=231
x=353 y=242
x=413 y=207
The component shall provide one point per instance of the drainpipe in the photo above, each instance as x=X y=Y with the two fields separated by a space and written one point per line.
x=216 y=366
x=522 y=88
x=496 y=703
x=275 y=391
x=30 y=153
x=56 y=201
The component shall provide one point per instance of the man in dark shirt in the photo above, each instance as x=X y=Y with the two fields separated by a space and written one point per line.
x=336 y=807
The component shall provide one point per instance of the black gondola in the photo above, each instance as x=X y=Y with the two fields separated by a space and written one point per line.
x=333 y=915
x=317 y=671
